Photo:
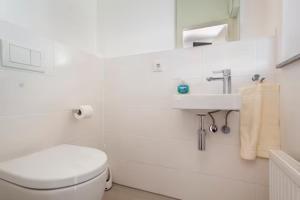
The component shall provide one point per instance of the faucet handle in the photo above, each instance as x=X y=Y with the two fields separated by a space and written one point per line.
x=225 y=72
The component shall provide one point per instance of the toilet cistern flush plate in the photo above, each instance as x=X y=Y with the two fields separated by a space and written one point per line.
x=207 y=102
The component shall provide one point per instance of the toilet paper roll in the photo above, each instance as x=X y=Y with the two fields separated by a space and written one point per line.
x=85 y=111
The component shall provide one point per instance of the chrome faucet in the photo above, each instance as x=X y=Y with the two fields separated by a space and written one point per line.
x=226 y=80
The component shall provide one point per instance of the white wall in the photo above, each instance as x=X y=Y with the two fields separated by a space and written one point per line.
x=290 y=40
x=112 y=28
x=153 y=147
x=73 y=22
x=117 y=28
x=260 y=18
x=141 y=26
x=290 y=109
x=135 y=26
x=289 y=79
x=36 y=109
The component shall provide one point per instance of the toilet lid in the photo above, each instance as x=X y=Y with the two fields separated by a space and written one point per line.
x=57 y=167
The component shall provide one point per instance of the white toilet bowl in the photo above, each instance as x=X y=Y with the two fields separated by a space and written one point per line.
x=65 y=172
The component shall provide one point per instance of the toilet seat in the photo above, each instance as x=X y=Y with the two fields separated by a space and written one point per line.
x=58 y=167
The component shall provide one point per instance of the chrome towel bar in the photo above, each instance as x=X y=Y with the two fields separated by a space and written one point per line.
x=288 y=61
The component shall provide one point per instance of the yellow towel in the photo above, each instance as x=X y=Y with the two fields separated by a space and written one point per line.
x=259 y=121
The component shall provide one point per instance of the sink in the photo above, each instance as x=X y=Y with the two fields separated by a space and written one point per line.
x=200 y=103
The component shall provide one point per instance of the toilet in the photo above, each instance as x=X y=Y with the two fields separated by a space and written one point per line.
x=64 y=172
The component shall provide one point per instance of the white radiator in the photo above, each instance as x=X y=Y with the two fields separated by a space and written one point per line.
x=284 y=177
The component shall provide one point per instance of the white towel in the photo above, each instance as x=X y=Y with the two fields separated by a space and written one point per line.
x=259 y=121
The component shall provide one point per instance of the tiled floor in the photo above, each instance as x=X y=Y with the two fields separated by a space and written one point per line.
x=119 y=192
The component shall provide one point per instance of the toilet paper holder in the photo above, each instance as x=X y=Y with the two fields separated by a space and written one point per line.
x=77 y=111
x=83 y=112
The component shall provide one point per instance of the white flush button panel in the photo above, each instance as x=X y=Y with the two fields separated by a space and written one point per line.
x=21 y=57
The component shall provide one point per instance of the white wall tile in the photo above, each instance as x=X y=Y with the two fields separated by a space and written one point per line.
x=151 y=146
x=198 y=186
x=261 y=193
x=289 y=101
x=36 y=109
x=154 y=147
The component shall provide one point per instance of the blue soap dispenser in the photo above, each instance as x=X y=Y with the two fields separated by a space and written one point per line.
x=183 y=88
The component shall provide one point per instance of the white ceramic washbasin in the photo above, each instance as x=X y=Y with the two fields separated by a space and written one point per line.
x=207 y=102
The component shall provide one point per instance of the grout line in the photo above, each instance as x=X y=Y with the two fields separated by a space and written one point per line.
x=144 y=191
x=36 y=114
x=196 y=172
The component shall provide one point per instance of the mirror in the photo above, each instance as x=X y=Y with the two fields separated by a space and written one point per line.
x=206 y=22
